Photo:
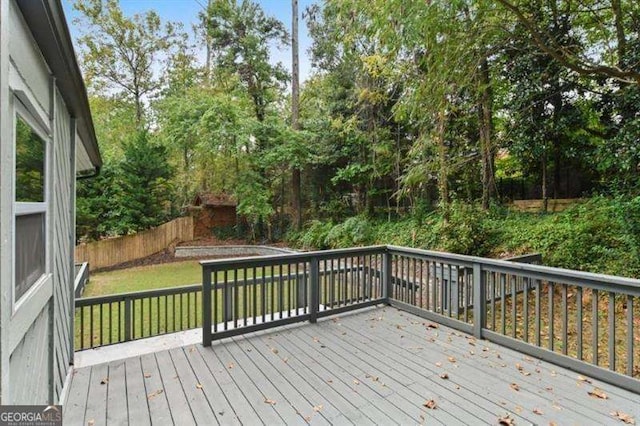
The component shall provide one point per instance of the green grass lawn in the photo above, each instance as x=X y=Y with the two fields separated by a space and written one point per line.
x=144 y=278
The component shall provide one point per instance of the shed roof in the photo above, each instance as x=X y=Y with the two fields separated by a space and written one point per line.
x=47 y=23
x=217 y=200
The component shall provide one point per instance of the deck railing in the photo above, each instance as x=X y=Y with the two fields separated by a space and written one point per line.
x=254 y=293
x=587 y=322
x=117 y=318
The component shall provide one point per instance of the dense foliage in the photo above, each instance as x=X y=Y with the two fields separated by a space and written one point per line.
x=418 y=120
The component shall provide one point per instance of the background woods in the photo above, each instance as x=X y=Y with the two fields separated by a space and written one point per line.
x=414 y=112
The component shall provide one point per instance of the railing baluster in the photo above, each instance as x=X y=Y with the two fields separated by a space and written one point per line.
x=263 y=294
x=565 y=320
x=514 y=307
x=612 y=331
x=280 y=289
x=525 y=308
x=538 y=320
x=579 y=322
x=594 y=322
x=236 y=296
x=503 y=304
x=245 y=301
x=255 y=295
x=493 y=300
x=550 y=288
x=630 y=336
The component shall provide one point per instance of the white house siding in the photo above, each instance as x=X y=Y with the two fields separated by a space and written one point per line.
x=29 y=365
x=36 y=337
x=28 y=59
x=64 y=237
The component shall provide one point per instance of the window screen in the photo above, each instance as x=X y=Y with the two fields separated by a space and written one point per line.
x=30 y=157
x=30 y=207
x=30 y=255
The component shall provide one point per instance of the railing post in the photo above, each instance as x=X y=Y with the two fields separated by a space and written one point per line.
x=479 y=301
x=127 y=319
x=387 y=291
x=314 y=289
x=301 y=285
x=206 y=306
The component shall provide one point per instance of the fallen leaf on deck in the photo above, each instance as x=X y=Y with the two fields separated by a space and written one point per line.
x=269 y=401
x=315 y=339
x=154 y=394
x=147 y=375
x=198 y=386
x=506 y=420
x=598 y=393
x=623 y=417
x=451 y=359
x=91 y=422
x=329 y=381
x=537 y=411
x=444 y=376
x=432 y=325
x=438 y=364
x=230 y=365
x=514 y=386
x=431 y=404
x=584 y=379
x=519 y=367
x=275 y=351
x=553 y=373
x=104 y=381
x=356 y=381
x=286 y=360
x=317 y=408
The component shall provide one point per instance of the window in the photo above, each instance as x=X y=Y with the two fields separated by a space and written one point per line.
x=30 y=206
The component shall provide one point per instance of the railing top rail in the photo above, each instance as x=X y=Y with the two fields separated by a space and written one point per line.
x=291 y=257
x=568 y=276
x=86 y=301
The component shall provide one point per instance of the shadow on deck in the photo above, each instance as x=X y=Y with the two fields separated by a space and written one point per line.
x=374 y=366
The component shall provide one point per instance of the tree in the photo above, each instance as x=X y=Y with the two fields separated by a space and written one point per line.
x=240 y=35
x=296 y=199
x=603 y=24
x=120 y=54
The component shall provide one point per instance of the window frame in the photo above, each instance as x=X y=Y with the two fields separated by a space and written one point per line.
x=35 y=123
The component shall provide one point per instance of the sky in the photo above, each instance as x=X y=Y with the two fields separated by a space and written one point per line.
x=186 y=12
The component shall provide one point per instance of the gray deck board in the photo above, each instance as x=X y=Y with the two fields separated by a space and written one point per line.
x=136 y=396
x=76 y=402
x=96 y=410
x=374 y=366
x=223 y=410
x=556 y=386
x=156 y=401
x=117 y=410
x=172 y=388
x=200 y=408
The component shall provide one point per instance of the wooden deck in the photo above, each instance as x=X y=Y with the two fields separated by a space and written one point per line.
x=375 y=366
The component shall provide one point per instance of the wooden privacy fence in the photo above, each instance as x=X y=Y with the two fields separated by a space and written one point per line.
x=106 y=253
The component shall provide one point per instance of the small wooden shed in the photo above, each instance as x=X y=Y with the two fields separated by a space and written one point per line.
x=211 y=212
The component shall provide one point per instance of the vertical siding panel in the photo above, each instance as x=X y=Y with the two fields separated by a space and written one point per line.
x=62 y=265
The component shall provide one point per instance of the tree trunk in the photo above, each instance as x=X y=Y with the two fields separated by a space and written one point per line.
x=545 y=196
x=486 y=126
x=443 y=175
x=296 y=184
x=620 y=35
